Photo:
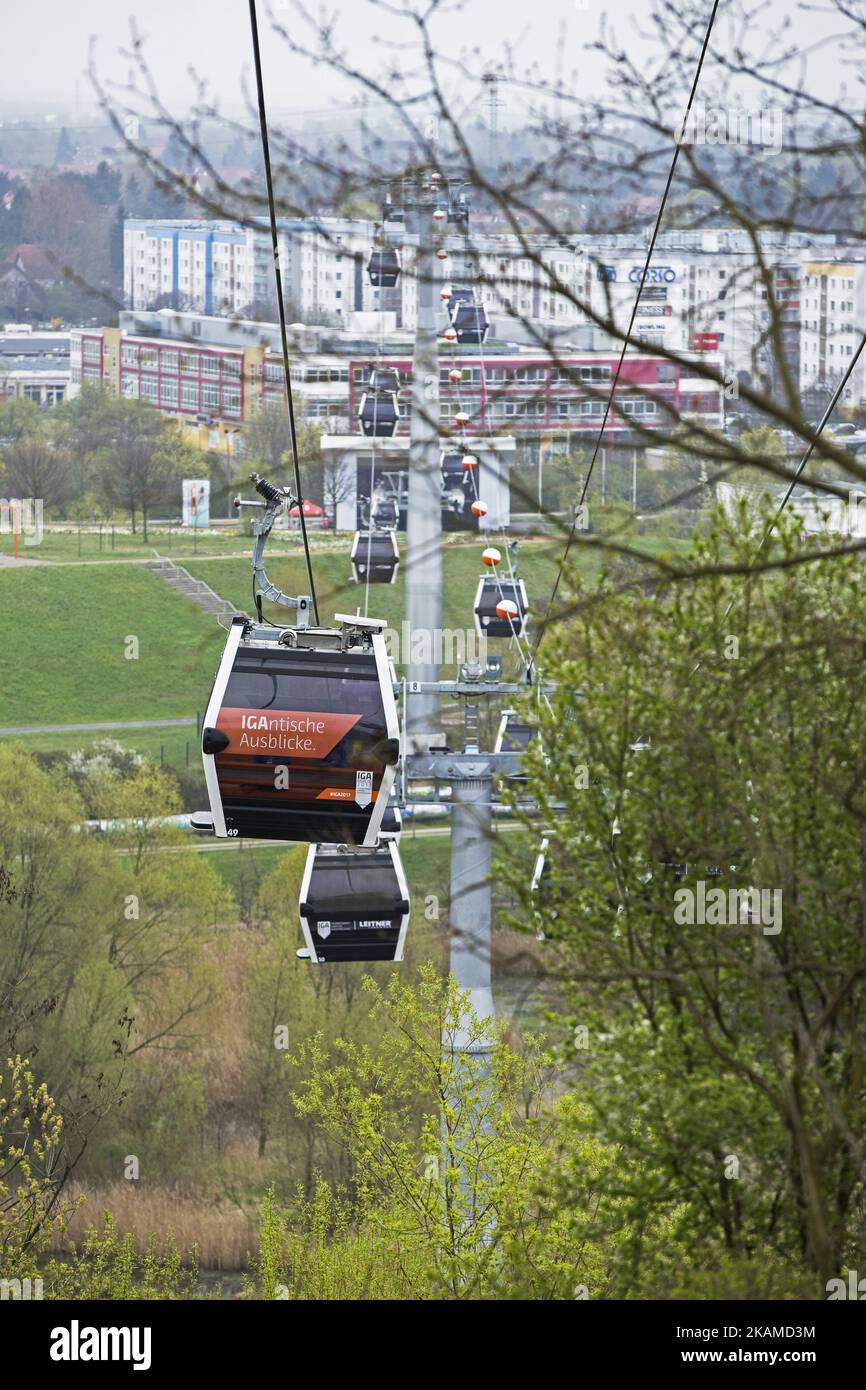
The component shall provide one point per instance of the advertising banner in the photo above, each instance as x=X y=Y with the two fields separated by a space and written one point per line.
x=196 y=501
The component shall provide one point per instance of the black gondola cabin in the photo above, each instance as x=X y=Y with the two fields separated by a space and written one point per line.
x=378 y=414
x=489 y=595
x=469 y=322
x=375 y=557
x=354 y=906
x=383 y=267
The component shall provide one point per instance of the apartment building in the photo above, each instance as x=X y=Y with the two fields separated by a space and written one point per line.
x=705 y=291
x=832 y=308
x=213 y=375
x=222 y=268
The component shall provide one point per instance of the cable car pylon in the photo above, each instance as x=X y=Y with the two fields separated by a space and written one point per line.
x=423 y=567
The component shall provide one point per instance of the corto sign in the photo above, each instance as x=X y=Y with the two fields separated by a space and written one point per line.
x=655 y=275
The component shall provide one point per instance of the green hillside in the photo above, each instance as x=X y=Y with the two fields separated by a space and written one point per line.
x=63 y=634
x=63 y=638
x=337 y=594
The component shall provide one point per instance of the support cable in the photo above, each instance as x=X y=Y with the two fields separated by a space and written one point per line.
x=266 y=154
x=628 y=334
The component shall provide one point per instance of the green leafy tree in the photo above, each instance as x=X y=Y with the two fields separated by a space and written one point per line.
x=144 y=462
x=19 y=419
x=66 y=886
x=713 y=748
x=447 y=1169
x=31 y=1212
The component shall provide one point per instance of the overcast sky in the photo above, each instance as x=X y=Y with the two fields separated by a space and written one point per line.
x=45 y=49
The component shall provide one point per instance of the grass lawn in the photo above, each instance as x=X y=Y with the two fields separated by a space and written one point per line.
x=337 y=594
x=63 y=630
x=63 y=634
x=70 y=545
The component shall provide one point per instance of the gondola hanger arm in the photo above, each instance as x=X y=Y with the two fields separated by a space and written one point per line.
x=276 y=500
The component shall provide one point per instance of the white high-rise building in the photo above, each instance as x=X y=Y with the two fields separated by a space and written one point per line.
x=221 y=268
x=832 y=318
x=705 y=292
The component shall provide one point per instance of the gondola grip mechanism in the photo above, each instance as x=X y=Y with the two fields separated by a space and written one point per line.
x=277 y=499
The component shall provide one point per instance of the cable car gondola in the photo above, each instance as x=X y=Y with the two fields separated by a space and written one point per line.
x=378 y=414
x=301 y=736
x=500 y=606
x=384 y=379
x=451 y=463
x=514 y=734
x=354 y=906
x=384 y=511
x=457 y=296
x=468 y=319
x=541 y=889
x=383 y=267
x=457 y=491
x=375 y=557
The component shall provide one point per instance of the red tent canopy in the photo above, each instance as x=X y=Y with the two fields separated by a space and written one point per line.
x=310 y=509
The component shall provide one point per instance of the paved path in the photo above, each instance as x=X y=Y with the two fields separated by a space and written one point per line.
x=92 y=728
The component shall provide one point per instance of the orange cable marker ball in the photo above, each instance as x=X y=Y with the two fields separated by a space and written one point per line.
x=507 y=609
x=470 y=461
x=479 y=508
x=491 y=556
